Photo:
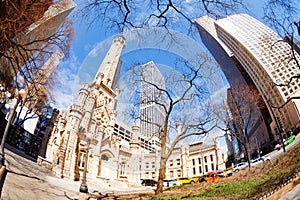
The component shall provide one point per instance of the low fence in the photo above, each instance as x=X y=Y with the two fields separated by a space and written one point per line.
x=289 y=179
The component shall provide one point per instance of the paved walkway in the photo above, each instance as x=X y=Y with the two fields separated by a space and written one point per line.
x=26 y=180
x=294 y=194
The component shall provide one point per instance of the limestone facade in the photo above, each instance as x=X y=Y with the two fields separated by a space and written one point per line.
x=115 y=153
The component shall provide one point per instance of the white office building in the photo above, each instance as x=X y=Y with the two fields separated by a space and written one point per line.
x=152 y=98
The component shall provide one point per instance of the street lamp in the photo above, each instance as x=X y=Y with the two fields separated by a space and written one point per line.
x=89 y=139
x=20 y=94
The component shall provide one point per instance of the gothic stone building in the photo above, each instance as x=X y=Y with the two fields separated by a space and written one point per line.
x=90 y=127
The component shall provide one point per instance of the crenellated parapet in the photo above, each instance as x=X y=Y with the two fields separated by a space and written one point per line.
x=76 y=108
x=83 y=94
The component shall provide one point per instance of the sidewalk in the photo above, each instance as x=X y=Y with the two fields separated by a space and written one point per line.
x=27 y=180
x=294 y=194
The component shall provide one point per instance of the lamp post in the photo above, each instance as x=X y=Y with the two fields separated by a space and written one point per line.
x=20 y=95
x=89 y=139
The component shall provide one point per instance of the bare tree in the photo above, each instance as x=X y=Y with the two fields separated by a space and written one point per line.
x=240 y=116
x=184 y=104
x=148 y=14
x=27 y=41
x=25 y=48
x=282 y=17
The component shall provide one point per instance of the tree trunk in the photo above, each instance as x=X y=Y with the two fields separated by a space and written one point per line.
x=161 y=177
x=163 y=161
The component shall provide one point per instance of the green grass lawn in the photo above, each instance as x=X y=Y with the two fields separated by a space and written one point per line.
x=242 y=185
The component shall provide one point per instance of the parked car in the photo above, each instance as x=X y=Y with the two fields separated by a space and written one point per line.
x=278 y=146
x=227 y=172
x=240 y=166
x=149 y=182
x=290 y=140
x=266 y=158
x=187 y=180
x=224 y=173
x=260 y=160
x=172 y=182
x=211 y=176
x=256 y=161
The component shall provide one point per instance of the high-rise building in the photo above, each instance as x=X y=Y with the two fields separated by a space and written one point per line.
x=270 y=63
x=37 y=91
x=152 y=98
x=293 y=42
x=33 y=38
x=238 y=80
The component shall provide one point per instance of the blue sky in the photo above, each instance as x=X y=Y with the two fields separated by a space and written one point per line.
x=88 y=38
x=90 y=45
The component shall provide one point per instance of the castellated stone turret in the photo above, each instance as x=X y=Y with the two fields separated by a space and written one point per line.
x=92 y=116
x=110 y=69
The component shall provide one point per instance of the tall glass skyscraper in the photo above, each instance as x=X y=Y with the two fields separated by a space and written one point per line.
x=267 y=60
x=34 y=37
x=152 y=98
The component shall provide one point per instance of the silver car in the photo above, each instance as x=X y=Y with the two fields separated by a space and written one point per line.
x=240 y=166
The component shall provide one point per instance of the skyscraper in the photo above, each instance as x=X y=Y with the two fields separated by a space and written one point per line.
x=33 y=38
x=238 y=79
x=37 y=90
x=269 y=62
x=152 y=98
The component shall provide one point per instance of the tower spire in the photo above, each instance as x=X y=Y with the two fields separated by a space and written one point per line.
x=109 y=70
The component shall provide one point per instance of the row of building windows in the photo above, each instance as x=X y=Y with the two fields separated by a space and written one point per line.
x=172 y=164
x=205 y=169
x=205 y=160
x=126 y=135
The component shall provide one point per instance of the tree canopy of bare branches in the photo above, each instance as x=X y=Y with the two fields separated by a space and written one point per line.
x=184 y=104
x=28 y=38
x=241 y=116
x=148 y=14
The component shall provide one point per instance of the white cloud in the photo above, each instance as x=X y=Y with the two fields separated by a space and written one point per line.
x=63 y=91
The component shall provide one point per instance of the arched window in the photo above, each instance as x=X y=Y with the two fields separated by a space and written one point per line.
x=122 y=168
x=104 y=157
x=81 y=158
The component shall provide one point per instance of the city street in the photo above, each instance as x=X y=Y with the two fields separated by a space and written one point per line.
x=26 y=180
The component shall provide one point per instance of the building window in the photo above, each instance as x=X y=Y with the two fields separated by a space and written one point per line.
x=153 y=164
x=211 y=158
x=104 y=157
x=212 y=167
x=153 y=175
x=193 y=161
x=205 y=159
x=200 y=169
x=206 y=168
x=178 y=173
x=194 y=170
x=122 y=169
x=171 y=174
x=81 y=158
x=178 y=161
x=147 y=174
x=171 y=163
x=199 y=161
